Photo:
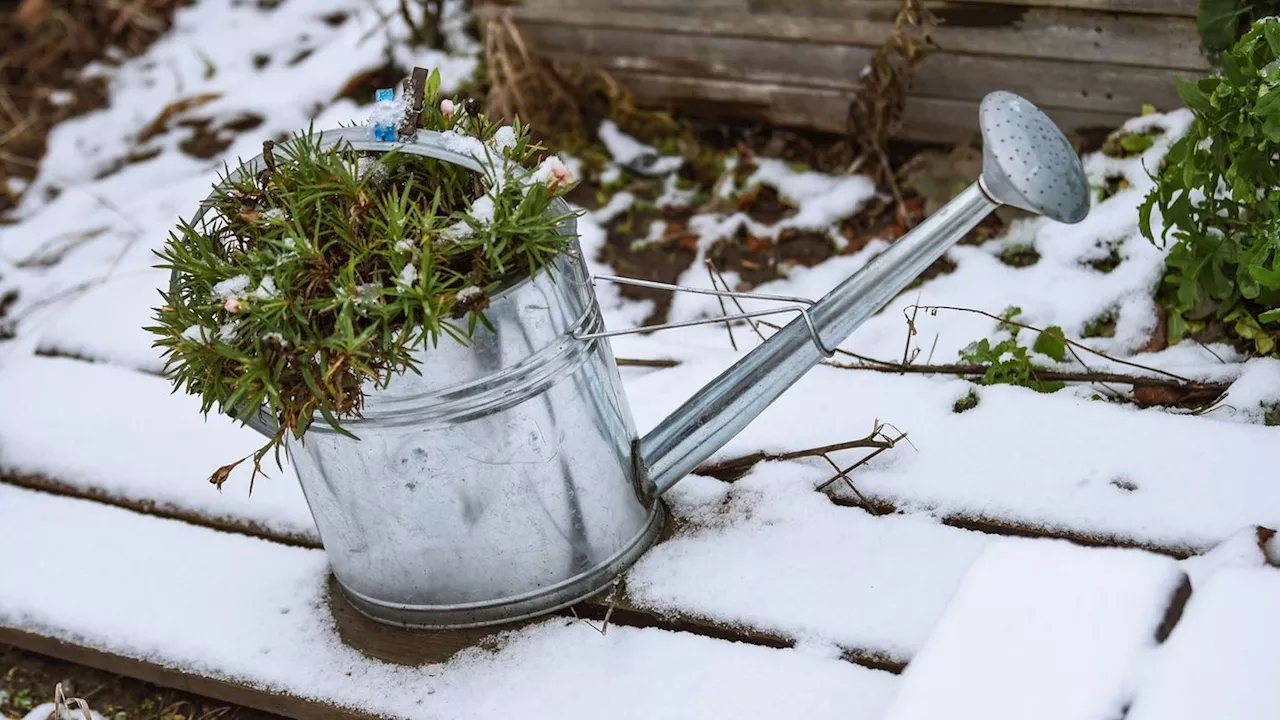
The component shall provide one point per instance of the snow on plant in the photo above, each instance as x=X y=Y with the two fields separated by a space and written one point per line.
x=328 y=268
x=1219 y=196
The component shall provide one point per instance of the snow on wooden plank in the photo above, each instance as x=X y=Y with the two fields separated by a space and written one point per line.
x=1220 y=661
x=106 y=323
x=1059 y=464
x=245 y=613
x=127 y=436
x=781 y=566
x=1045 y=630
x=769 y=553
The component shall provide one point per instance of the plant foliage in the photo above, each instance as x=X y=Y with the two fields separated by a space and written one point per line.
x=325 y=271
x=1009 y=363
x=1219 y=196
x=1222 y=21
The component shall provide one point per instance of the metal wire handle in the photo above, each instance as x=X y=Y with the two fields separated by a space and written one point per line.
x=799 y=304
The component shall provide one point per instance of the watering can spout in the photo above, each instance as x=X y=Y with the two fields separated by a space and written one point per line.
x=1027 y=163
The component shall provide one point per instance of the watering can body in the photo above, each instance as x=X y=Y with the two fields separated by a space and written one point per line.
x=507 y=479
x=498 y=484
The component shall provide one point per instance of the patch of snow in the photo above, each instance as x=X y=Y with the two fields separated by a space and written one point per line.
x=231 y=288
x=1044 y=461
x=197 y=334
x=635 y=155
x=504 y=138
x=1046 y=630
x=619 y=203
x=673 y=196
x=768 y=552
x=266 y=289
x=60 y=97
x=469 y=293
x=136 y=440
x=456 y=142
x=408 y=275
x=455 y=232
x=482 y=210
x=227 y=332
x=106 y=323
x=1257 y=389
x=45 y=711
x=269 y=625
x=612 y=173
x=1220 y=660
x=1242 y=550
x=821 y=199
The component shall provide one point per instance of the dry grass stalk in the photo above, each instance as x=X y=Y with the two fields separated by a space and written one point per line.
x=43 y=45
x=526 y=85
x=875 y=112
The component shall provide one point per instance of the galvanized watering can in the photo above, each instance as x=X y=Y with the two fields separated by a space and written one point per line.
x=508 y=480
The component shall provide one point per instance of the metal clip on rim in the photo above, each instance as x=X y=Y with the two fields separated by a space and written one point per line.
x=799 y=304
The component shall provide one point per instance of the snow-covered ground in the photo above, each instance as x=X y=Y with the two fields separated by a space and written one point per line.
x=765 y=552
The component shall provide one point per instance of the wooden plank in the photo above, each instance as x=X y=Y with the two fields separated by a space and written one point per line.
x=926 y=119
x=165 y=510
x=1049 y=84
x=1183 y=8
x=1220 y=661
x=1046 y=33
x=414 y=647
x=1020 y=640
x=1177 y=8
x=224 y=690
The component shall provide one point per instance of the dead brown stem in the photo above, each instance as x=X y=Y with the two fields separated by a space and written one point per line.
x=1070 y=343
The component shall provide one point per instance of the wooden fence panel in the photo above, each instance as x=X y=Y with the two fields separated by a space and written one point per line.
x=1045 y=33
x=1056 y=84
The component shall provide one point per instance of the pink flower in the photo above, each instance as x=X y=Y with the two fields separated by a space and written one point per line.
x=232 y=305
x=554 y=172
x=446 y=108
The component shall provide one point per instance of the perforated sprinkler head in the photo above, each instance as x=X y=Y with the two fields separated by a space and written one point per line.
x=1027 y=161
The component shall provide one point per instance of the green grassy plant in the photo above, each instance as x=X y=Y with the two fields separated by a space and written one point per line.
x=329 y=269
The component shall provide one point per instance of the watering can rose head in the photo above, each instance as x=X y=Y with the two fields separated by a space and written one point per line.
x=318 y=268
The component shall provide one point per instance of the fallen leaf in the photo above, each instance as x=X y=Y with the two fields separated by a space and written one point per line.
x=758 y=244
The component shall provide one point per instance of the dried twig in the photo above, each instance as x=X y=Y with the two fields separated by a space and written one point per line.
x=716 y=280
x=737 y=466
x=645 y=362
x=614 y=592
x=933 y=309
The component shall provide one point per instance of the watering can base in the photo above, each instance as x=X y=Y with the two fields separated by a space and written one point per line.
x=516 y=608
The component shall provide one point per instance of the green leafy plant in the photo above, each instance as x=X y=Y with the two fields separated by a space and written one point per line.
x=1222 y=21
x=329 y=269
x=1219 y=195
x=1009 y=363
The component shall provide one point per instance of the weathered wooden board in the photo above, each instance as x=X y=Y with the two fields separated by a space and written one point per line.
x=1048 y=83
x=226 y=691
x=926 y=119
x=1003 y=30
x=1184 y=8
x=1179 y=8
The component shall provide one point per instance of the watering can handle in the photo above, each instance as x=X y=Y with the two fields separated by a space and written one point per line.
x=797 y=304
